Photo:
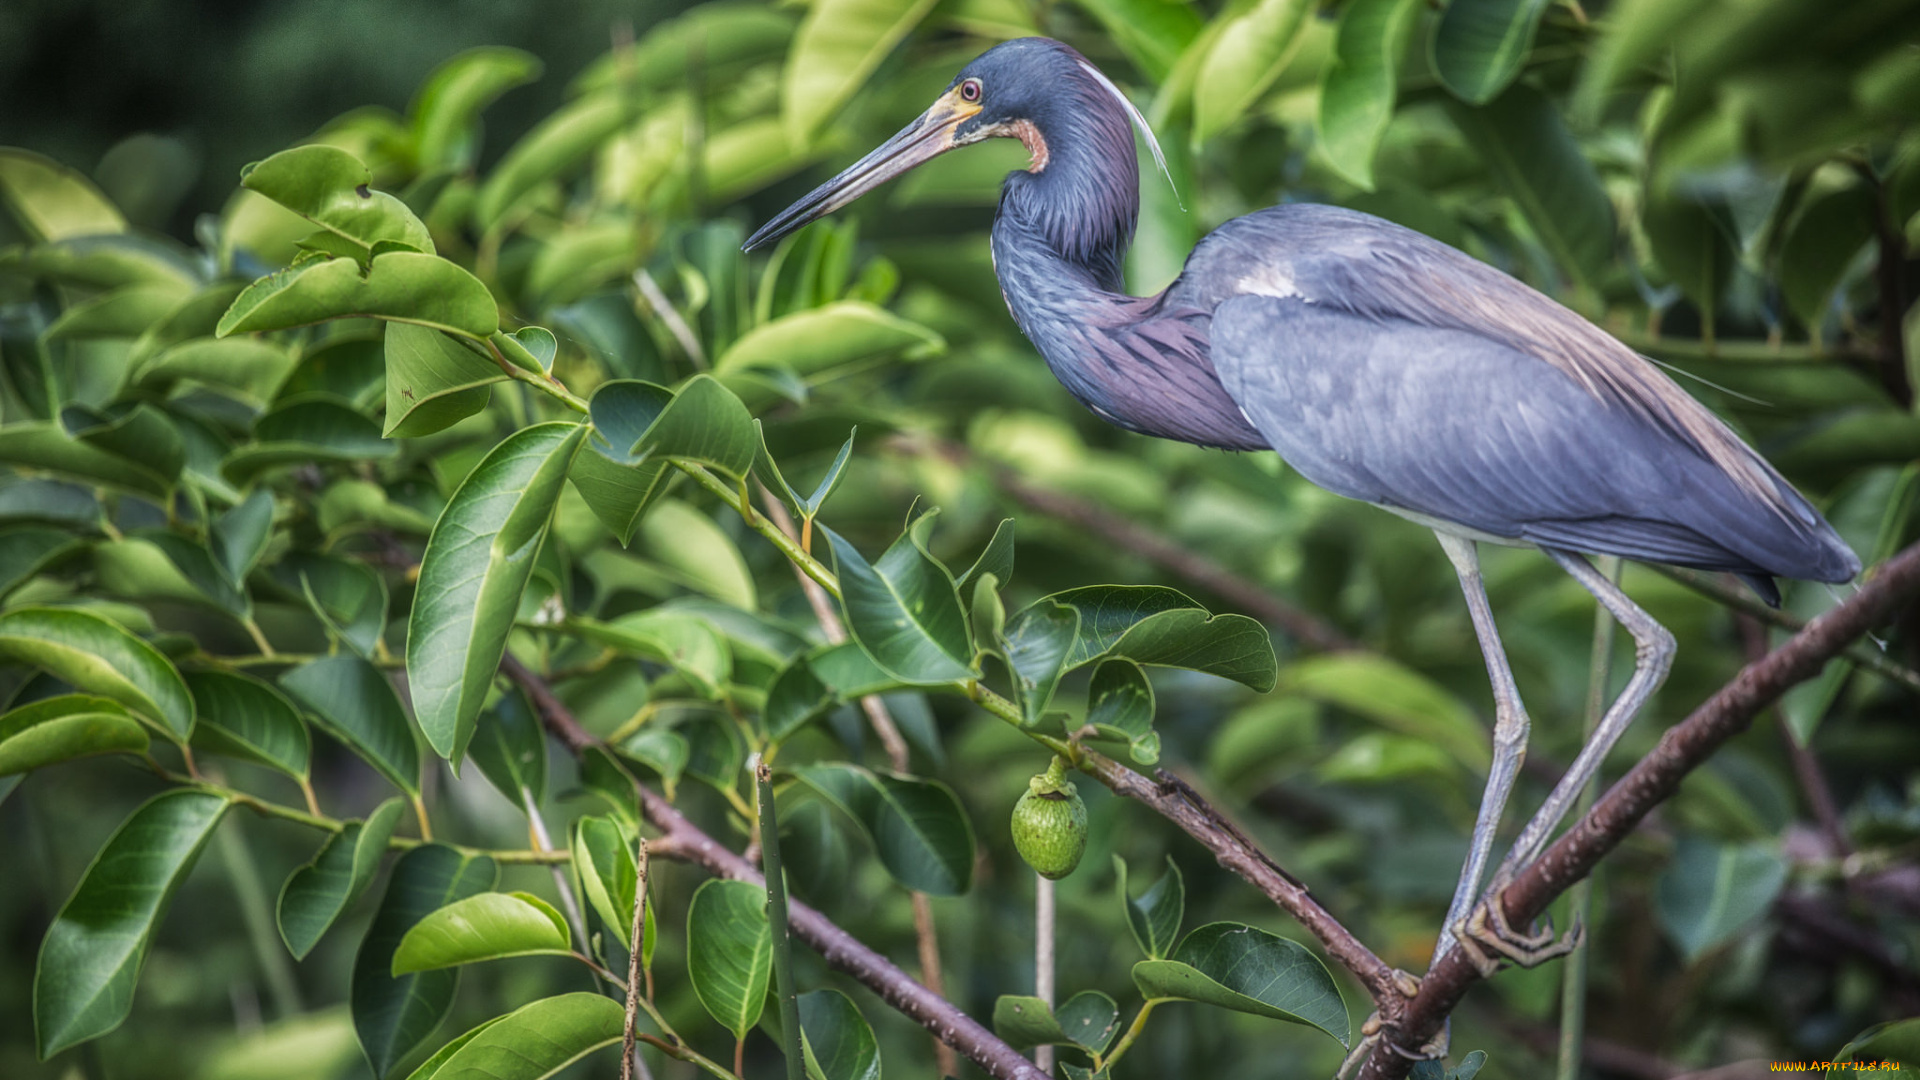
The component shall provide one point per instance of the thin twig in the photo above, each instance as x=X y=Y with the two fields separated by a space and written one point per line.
x=537 y=828
x=681 y=839
x=1125 y=533
x=1653 y=780
x=630 y=1054
x=657 y=300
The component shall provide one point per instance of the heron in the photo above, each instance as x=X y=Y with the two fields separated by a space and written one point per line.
x=1381 y=365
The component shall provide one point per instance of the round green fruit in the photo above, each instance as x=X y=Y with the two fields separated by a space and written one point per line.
x=1050 y=826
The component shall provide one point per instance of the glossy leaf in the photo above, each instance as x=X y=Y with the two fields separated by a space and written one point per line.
x=560 y=142
x=25 y=550
x=123 y=312
x=476 y=564
x=705 y=423
x=239 y=535
x=1823 y=242
x=996 y=558
x=1478 y=46
x=1089 y=1019
x=357 y=705
x=40 y=444
x=1394 y=696
x=903 y=610
x=918 y=827
x=395 y=1015
x=535 y=1041
x=845 y=332
x=1534 y=158
x=603 y=867
x=1238 y=967
x=446 y=112
x=404 y=286
x=331 y=188
x=489 y=926
x=433 y=381
x=97 y=656
x=1358 y=88
x=839 y=44
x=302 y=432
x=245 y=367
x=56 y=729
x=317 y=894
x=796 y=698
x=697 y=553
x=618 y=484
x=1712 y=891
x=1036 y=642
x=730 y=952
x=53 y=201
x=349 y=596
x=243 y=717
x=1151 y=33
x=850 y=672
x=670 y=637
x=197 y=565
x=90 y=959
x=1693 y=241
x=665 y=752
x=838 y=1042
x=1245 y=59
x=1154 y=916
x=511 y=749
x=1120 y=705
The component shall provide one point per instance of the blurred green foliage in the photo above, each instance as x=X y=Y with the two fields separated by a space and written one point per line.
x=497 y=293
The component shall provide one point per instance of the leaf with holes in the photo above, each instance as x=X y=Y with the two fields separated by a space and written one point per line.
x=332 y=188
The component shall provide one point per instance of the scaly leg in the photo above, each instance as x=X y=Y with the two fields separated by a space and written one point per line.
x=1509 y=734
x=1653 y=655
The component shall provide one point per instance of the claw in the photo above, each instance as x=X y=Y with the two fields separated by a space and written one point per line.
x=1487 y=925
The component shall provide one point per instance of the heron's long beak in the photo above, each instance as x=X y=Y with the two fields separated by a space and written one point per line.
x=923 y=140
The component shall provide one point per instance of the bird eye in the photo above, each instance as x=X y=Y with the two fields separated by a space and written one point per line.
x=970 y=91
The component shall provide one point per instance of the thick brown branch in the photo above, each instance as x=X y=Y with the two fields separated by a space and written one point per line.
x=1650 y=782
x=1304 y=627
x=1180 y=804
x=683 y=840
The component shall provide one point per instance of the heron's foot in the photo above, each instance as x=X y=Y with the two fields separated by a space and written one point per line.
x=1488 y=938
x=1374 y=1031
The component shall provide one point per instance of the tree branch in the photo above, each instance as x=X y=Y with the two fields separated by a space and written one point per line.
x=683 y=840
x=1303 y=626
x=1650 y=782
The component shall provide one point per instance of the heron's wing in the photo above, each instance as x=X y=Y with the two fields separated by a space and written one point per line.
x=1461 y=428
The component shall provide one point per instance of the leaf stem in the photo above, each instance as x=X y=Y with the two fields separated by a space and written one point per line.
x=1103 y=1064
x=808 y=565
x=259 y=639
x=546 y=384
x=420 y=812
x=777 y=922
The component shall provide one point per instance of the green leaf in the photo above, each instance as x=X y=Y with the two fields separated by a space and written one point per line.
x=670 y=637
x=431 y=1067
x=918 y=827
x=404 y=286
x=1825 y=238
x=1895 y=1040
x=1239 y=967
x=53 y=201
x=561 y=141
x=332 y=188
x=1089 y=1019
x=26 y=550
x=796 y=698
x=1247 y=56
x=1528 y=149
x=730 y=952
x=1479 y=46
x=349 y=368
x=839 y=1044
x=239 y=536
x=904 y=611
x=490 y=926
x=1155 y=916
x=511 y=750
x=122 y=313
x=90 y=959
x=841 y=333
x=196 y=564
x=604 y=869
x=1712 y=891
x=246 y=367
x=716 y=751
x=1037 y=641
x=475 y=567
x=850 y=671
x=535 y=1041
x=446 y=112
x=40 y=444
x=705 y=423
x=1358 y=88
x=317 y=894
x=142 y=434
x=62 y=728
x=1394 y=696
x=839 y=44
x=665 y=752
x=1230 y=646
x=98 y=657
x=306 y=431
x=996 y=558
x=1120 y=705
x=1693 y=241
x=245 y=718
x=433 y=381
x=394 y=1015
x=357 y=705
x=1152 y=33
x=349 y=596
x=618 y=484
x=697 y=553
x=107 y=261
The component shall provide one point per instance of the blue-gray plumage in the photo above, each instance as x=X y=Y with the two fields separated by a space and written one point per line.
x=1382 y=365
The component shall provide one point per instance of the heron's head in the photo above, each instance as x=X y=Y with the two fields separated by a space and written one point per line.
x=1036 y=90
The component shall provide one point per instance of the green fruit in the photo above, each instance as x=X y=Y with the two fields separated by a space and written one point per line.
x=1050 y=825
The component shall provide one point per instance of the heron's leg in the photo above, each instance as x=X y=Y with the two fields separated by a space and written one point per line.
x=1509 y=734
x=1653 y=655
